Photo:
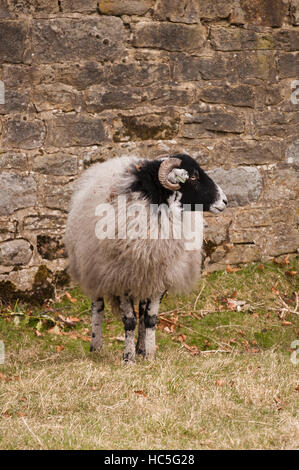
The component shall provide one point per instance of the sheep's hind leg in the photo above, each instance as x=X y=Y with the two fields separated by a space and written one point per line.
x=150 y=321
x=97 y=314
x=129 y=321
x=140 y=347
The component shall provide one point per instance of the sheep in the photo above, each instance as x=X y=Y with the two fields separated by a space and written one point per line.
x=137 y=269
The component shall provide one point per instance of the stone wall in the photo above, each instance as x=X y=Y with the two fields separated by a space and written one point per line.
x=87 y=80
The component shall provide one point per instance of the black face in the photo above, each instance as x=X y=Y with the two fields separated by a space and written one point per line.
x=198 y=189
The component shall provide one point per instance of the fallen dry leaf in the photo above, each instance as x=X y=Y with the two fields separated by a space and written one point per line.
x=230 y=269
x=70 y=298
x=140 y=393
x=286 y=323
x=220 y=382
x=261 y=267
x=297 y=388
x=59 y=348
x=54 y=331
x=291 y=273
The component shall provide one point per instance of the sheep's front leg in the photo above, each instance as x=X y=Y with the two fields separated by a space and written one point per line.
x=97 y=314
x=129 y=321
x=140 y=347
x=150 y=321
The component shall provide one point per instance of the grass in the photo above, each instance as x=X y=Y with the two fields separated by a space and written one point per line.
x=223 y=378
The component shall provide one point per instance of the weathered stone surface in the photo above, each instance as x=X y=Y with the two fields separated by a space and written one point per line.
x=17 y=76
x=61 y=164
x=294 y=9
x=281 y=184
x=48 y=221
x=288 y=65
x=169 y=36
x=72 y=130
x=48 y=97
x=57 y=193
x=172 y=96
x=192 y=11
x=241 y=185
x=16 y=102
x=16 y=192
x=258 y=64
x=292 y=153
x=13 y=160
x=262 y=12
x=138 y=75
x=77 y=6
x=239 y=95
x=24 y=8
x=208 y=68
x=24 y=134
x=124 y=7
x=237 y=39
x=148 y=126
x=4 y=9
x=286 y=39
x=275 y=123
x=13 y=36
x=98 y=100
x=64 y=39
x=77 y=75
x=254 y=152
x=199 y=122
x=50 y=247
x=15 y=252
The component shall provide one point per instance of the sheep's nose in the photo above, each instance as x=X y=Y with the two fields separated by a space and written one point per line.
x=225 y=201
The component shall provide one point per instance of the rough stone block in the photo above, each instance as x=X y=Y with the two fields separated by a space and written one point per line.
x=260 y=12
x=124 y=7
x=242 y=185
x=24 y=134
x=13 y=35
x=138 y=75
x=77 y=6
x=98 y=100
x=255 y=152
x=199 y=122
x=169 y=36
x=16 y=192
x=237 y=39
x=13 y=160
x=61 y=164
x=15 y=252
x=72 y=130
x=292 y=153
x=148 y=126
x=64 y=39
x=192 y=11
x=288 y=65
x=193 y=68
x=294 y=9
x=16 y=101
x=239 y=95
x=48 y=97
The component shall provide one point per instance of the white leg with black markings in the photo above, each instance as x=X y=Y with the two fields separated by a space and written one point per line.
x=140 y=347
x=150 y=321
x=97 y=314
x=129 y=320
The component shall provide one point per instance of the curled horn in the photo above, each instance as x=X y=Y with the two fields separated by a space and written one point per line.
x=164 y=170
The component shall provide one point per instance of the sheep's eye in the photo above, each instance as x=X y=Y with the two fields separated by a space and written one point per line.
x=193 y=178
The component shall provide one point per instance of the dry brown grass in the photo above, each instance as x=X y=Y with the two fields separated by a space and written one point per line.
x=220 y=402
x=55 y=395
